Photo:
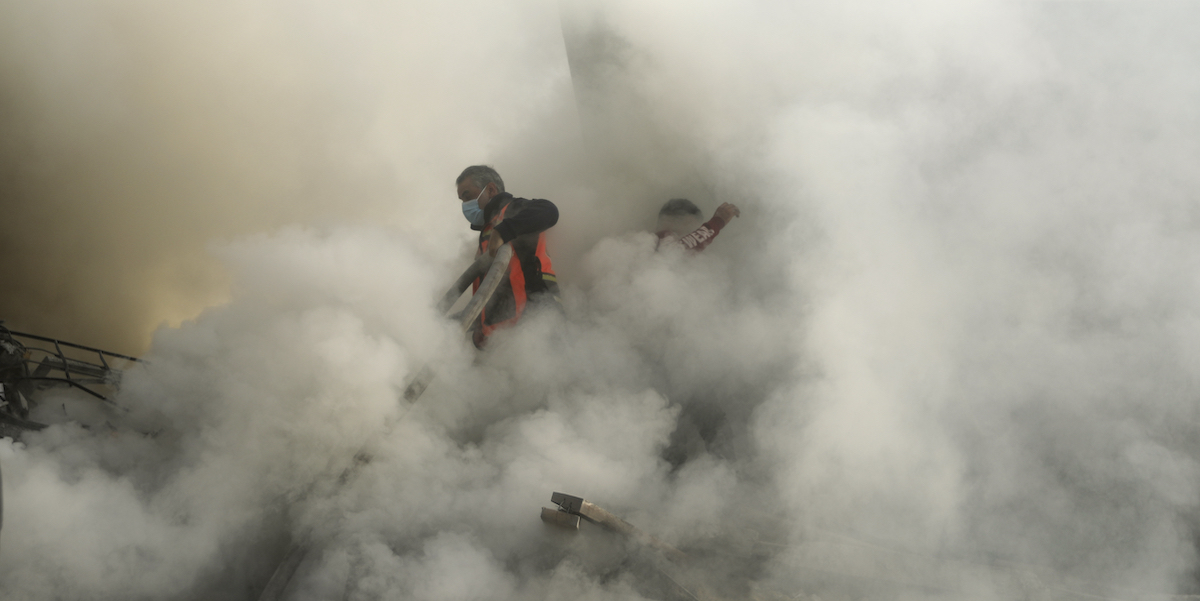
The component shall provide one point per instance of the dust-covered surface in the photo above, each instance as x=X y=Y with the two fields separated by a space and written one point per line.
x=948 y=351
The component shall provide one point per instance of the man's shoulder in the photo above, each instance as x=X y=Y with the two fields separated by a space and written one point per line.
x=517 y=204
x=521 y=200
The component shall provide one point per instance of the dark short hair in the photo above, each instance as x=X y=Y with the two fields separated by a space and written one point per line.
x=679 y=206
x=481 y=175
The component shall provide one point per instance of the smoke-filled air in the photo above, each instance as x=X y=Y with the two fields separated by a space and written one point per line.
x=950 y=349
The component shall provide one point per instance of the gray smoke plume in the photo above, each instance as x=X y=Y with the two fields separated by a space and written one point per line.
x=946 y=352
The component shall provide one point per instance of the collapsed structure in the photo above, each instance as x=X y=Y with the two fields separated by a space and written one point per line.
x=30 y=364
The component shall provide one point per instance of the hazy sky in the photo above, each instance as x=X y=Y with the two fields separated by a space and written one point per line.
x=956 y=320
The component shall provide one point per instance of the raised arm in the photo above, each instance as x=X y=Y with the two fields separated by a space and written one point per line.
x=536 y=215
x=703 y=235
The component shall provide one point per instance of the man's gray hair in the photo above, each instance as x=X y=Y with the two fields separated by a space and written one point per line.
x=481 y=175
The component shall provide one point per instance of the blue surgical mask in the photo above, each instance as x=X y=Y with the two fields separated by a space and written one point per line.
x=472 y=212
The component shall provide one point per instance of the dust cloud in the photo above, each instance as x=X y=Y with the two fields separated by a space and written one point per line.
x=948 y=350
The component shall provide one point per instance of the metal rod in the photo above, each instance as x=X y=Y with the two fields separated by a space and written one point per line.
x=73 y=345
x=63 y=358
x=71 y=382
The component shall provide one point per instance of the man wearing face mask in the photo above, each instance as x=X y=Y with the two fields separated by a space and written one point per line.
x=501 y=218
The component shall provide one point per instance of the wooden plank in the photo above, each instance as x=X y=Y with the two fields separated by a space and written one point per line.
x=279 y=581
x=497 y=273
x=602 y=517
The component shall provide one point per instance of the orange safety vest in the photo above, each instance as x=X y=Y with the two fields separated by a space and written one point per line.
x=529 y=273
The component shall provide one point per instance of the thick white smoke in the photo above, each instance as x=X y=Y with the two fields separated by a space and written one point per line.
x=946 y=352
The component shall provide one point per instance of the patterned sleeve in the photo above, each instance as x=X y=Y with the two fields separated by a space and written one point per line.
x=699 y=239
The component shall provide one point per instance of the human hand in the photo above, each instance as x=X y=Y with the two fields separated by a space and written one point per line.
x=494 y=243
x=727 y=212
